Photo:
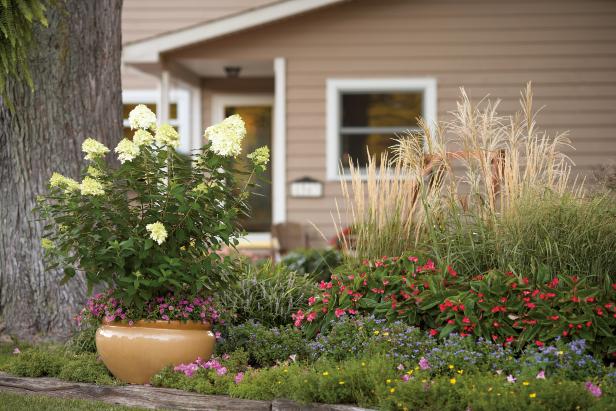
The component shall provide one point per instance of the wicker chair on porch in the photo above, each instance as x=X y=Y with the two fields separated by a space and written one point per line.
x=288 y=236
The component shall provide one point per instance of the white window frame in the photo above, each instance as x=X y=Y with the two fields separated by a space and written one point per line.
x=178 y=96
x=335 y=88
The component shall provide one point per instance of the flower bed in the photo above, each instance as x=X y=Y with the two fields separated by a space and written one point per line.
x=502 y=307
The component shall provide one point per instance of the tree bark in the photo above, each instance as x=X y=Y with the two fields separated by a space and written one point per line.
x=75 y=65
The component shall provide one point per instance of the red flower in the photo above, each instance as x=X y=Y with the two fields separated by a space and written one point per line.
x=385 y=282
x=351 y=311
x=413 y=259
x=530 y=305
x=539 y=343
x=575 y=299
x=614 y=286
x=525 y=280
x=503 y=299
x=433 y=332
x=590 y=300
x=451 y=271
x=510 y=339
x=311 y=316
x=466 y=320
x=499 y=308
x=324 y=286
x=554 y=317
x=553 y=283
x=565 y=333
x=339 y=312
x=311 y=300
x=588 y=323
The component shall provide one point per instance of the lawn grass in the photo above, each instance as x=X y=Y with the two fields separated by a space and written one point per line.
x=28 y=402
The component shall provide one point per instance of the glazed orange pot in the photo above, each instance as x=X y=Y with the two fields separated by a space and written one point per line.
x=134 y=353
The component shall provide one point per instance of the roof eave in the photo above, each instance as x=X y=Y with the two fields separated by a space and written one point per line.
x=149 y=50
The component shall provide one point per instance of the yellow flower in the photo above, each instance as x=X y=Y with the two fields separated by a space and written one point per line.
x=285 y=370
x=143 y=138
x=94 y=172
x=226 y=137
x=341 y=382
x=90 y=186
x=460 y=372
x=127 y=150
x=68 y=184
x=141 y=117
x=385 y=333
x=452 y=381
x=363 y=364
x=325 y=373
x=46 y=243
x=157 y=231
x=489 y=389
x=451 y=367
x=532 y=394
x=167 y=136
x=93 y=149
x=388 y=381
x=525 y=383
x=560 y=353
x=392 y=390
x=409 y=372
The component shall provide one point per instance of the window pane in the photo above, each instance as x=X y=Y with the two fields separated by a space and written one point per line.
x=353 y=146
x=381 y=109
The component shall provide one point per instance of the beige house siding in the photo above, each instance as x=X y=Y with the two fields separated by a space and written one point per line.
x=566 y=47
x=147 y=18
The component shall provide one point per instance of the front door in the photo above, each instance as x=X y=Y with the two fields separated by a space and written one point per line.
x=256 y=111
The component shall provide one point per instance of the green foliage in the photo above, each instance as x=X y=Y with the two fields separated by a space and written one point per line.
x=263 y=346
x=505 y=308
x=489 y=392
x=319 y=264
x=545 y=232
x=57 y=362
x=83 y=340
x=203 y=381
x=18 y=19
x=268 y=293
x=154 y=225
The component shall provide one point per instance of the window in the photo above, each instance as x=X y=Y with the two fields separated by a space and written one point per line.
x=178 y=111
x=370 y=113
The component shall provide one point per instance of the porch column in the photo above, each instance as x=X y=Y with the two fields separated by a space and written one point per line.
x=279 y=150
x=162 y=108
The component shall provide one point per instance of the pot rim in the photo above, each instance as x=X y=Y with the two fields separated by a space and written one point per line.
x=161 y=324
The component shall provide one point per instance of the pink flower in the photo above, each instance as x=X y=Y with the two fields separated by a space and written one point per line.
x=511 y=378
x=218 y=335
x=16 y=351
x=593 y=389
x=541 y=375
x=311 y=316
x=311 y=300
x=424 y=364
x=413 y=259
x=400 y=367
x=221 y=371
x=238 y=377
x=339 y=312
x=406 y=377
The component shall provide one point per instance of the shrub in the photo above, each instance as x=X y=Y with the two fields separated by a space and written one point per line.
x=37 y=362
x=83 y=340
x=156 y=224
x=504 y=308
x=266 y=293
x=319 y=264
x=85 y=368
x=264 y=346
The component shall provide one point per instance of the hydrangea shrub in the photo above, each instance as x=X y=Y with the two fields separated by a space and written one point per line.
x=154 y=225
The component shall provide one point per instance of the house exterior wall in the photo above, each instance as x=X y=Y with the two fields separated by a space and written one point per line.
x=566 y=47
x=147 y=18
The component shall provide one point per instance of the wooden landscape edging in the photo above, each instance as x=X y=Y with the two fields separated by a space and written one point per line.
x=151 y=397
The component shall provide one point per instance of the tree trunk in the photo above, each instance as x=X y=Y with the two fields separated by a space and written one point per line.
x=75 y=65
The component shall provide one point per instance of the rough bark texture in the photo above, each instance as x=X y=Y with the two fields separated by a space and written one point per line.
x=75 y=65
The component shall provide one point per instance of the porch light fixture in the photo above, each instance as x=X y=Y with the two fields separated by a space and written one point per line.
x=233 y=71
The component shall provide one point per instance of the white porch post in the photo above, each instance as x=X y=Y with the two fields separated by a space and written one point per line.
x=279 y=150
x=162 y=108
x=196 y=124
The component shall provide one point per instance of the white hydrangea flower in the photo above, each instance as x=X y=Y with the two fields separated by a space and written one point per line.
x=157 y=231
x=92 y=187
x=167 y=136
x=94 y=172
x=93 y=149
x=260 y=157
x=127 y=150
x=226 y=137
x=141 y=117
x=143 y=138
x=68 y=184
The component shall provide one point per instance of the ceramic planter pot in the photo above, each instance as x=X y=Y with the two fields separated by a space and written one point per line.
x=134 y=353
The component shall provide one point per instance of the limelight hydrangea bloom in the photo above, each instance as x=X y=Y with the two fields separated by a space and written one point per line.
x=141 y=117
x=167 y=136
x=68 y=184
x=46 y=243
x=260 y=157
x=127 y=150
x=94 y=172
x=143 y=138
x=91 y=187
x=157 y=231
x=93 y=149
x=226 y=137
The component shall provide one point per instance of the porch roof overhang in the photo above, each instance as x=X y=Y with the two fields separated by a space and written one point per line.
x=146 y=54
